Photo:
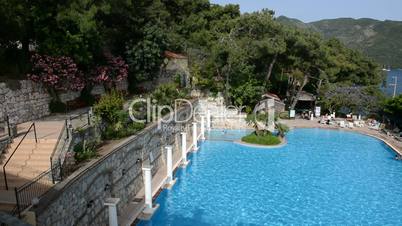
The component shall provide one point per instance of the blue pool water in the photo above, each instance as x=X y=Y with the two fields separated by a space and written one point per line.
x=320 y=177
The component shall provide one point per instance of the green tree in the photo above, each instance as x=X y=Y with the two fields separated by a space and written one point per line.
x=393 y=109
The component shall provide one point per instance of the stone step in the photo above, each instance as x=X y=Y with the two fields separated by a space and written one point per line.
x=11 y=168
x=28 y=174
x=19 y=160
x=18 y=181
x=7 y=197
x=33 y=141
x=26 y=152
x=33 y=144
x=38 y=164
x=33 y=156
x=7 y=207
x=35 y=169
x=15 y=182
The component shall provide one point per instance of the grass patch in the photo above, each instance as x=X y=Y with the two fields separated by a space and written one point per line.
x=267 y=139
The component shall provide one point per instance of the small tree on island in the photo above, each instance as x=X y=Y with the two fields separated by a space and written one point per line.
x=255 y=120
x=57 y=74
x=282 y=129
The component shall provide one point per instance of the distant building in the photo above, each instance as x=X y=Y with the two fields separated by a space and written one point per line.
x=306 y=101
x=278 y=103
x=174 y=68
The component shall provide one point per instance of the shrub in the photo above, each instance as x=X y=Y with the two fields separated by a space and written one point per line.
x=56 y=73
x=282 y=129
x=117 y=123
x=266 y=139
x=109 y=106
x=114 y=71
x=84 y=151
x=166 y=94
x=87 y=97
x=56 y=106
x=119 y=130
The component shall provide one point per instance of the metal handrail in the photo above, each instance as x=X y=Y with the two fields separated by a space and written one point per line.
x=7 y=124
x=64 y=129
x=32 y=189
x=80 y=116
x=16 y=148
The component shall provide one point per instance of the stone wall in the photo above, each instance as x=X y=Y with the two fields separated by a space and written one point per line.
x=26 y=101
x=170 y=70
x=223 y=117
x=79 y=200
x=23 y=101
x=175 y=68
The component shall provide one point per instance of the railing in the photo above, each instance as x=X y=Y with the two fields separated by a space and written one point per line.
x=60 y=146
x=16 y=148
x=29 y=193
x=5 y=129
x=81 y=120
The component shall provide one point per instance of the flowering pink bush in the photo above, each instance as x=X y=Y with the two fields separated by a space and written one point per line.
x=115 y=71
x=57 y=73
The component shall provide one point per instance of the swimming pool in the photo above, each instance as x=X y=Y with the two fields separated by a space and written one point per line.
x=320 y=177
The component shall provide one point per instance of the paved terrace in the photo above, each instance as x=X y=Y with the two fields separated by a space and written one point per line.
x=31 y=158
x=389 y=140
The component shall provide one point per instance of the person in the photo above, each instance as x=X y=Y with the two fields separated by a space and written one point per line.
x=398 y=157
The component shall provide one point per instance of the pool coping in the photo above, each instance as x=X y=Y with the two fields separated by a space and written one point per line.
x=283 y=143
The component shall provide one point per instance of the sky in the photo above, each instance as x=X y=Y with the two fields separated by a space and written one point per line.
x=313 y=10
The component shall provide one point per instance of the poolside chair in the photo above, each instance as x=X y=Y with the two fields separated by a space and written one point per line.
x=350 y=125
x=342 y=124
x=358 y=123
x=375 y=126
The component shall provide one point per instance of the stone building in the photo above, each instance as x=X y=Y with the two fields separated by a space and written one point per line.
x=174 y=68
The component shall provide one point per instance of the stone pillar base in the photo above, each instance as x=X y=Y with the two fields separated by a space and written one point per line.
x=184 y=164
x=147 y=213
x=170 y=184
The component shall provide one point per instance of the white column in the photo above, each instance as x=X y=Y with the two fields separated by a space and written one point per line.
x=195 y=148
x=208 y=120
x=111 y=203
x=147 y=187
x=169 y=164
x=184 y=161
x=202 y=128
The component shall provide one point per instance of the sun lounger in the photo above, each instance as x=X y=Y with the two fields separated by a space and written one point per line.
x=375 y=127
x=358 y=123
x=342 y=124
x=350 y=125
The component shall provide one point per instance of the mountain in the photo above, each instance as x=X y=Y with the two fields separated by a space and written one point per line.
x=380 y=40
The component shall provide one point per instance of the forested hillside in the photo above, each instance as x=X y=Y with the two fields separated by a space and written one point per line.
x=241 y=55
x=380 y=40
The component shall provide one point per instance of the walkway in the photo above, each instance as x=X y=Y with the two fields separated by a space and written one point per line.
x=134 y=210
